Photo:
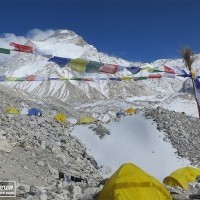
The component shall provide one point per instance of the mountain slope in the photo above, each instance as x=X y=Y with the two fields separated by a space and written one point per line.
x=66 y=43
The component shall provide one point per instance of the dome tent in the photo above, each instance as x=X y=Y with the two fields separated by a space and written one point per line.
x=130 y=111
x=86 y=120
x=131 y=182
x=182 y=177
x=34 y=111
x=60 y=117
x=12 y=110
x=120 y=114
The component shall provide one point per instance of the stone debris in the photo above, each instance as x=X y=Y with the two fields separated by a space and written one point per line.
x=34 y=150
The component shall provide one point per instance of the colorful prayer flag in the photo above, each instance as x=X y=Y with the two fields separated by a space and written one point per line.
x=93 y=67
x=2 y=78
x=155 y=76
x=78 y=65
x=62 y=62
x=5 y=51
x=168 y=70
x=31 y=78
x=22 y=48
x=109 y=68
x=133 y=70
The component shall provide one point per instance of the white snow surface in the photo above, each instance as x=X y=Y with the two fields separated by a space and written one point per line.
x=134 y=139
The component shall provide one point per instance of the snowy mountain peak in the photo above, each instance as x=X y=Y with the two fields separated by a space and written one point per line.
x=67 y=36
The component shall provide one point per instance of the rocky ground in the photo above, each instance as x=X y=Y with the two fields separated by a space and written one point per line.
x=184 y=133
x=35 y=150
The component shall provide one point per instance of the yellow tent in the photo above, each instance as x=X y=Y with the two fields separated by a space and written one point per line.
x=181 y=177
x=60 y=117
x=131 y=182
x=130 y=111
x=86 y=120
x=12 y=110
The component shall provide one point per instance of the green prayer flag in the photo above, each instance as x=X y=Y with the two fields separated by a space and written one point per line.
x=5 y=51
x=93 y=67
x=139 y=78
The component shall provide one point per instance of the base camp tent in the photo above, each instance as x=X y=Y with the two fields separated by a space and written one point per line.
x=182 y=177
x=35 y=111
x=60 y=117
x=130 y=111
x=86 y=120
x=12 y=110
x=131 y=182
x=120 y=114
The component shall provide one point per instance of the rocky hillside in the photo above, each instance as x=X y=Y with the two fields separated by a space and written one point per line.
x=33 y=150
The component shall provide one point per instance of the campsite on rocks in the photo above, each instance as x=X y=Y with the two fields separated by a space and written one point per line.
x=92 y=128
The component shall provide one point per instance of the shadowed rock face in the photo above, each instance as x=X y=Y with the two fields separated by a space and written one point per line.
x=187 y=86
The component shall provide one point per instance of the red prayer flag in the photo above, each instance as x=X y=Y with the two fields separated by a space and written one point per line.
x=155 y=76
x=109 y=68
x=22 y=48
x=168 y=70
x=31 y=78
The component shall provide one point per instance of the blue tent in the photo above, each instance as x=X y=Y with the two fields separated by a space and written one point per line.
x=120 y=114
x=35 y=111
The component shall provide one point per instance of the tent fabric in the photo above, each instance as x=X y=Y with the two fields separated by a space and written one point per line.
x=131 y=182
x=182 y=177
x=109 y=68
x=12 y=110
x=5 y=51
x=130 y=111
x=120 y=114
x=35 y=112
x=78 y=65
x=60 y=117
x=22 y=48
x=93 y=67
x=86 y=120
x=62 y=62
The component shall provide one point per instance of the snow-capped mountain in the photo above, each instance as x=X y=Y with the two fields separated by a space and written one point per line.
x=65 y=43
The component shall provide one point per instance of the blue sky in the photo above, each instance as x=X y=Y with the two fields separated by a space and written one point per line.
x=133 y=30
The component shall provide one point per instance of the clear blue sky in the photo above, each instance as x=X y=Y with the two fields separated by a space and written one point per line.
x=133 y=30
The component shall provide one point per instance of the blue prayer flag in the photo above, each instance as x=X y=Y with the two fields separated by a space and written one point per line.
x=133 y=70
x=62 y=62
